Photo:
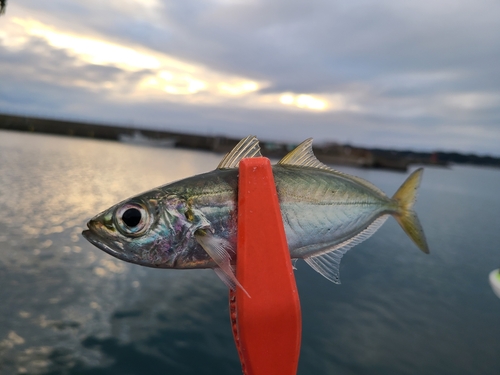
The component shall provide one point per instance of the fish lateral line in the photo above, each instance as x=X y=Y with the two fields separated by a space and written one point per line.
x=195 y=225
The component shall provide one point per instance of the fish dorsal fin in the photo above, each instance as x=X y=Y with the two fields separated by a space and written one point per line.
x=246 y=148
x=328 y=263
x=303 y=156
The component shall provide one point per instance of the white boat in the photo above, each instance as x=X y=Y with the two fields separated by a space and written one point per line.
x=138 y=138
x=495 y=281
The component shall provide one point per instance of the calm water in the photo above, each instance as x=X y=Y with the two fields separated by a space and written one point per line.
x=68 y=308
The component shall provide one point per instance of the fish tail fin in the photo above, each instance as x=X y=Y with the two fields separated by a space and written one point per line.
x=406 y=197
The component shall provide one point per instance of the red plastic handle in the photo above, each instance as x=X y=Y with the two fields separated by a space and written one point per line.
x=266 y=326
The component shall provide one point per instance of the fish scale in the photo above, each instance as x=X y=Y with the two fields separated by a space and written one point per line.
x=325 y=202
x=192 y=223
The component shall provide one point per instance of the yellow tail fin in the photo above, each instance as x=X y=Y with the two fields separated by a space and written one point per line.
x=406 y=217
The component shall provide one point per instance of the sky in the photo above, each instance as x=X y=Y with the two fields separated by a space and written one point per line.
x=421 y=75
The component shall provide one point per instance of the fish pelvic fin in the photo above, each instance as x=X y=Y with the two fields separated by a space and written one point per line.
x=406 y=197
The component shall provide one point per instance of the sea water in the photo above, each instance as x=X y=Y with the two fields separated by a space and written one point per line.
x=66 y=307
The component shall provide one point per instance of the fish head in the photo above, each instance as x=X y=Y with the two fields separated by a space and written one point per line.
x=153 y=229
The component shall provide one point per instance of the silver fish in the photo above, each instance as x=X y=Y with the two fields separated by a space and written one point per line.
x=192 y=223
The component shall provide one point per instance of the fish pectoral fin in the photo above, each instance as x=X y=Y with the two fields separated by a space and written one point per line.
x=226 y=279
x=328 y=263
x=219 y=250
x=247 y=148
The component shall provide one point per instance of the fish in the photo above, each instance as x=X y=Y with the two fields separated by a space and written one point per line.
x=192 y=223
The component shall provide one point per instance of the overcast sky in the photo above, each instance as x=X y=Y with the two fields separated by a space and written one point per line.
x=423 y=75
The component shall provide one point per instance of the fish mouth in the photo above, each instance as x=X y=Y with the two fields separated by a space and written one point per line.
x=95 y=240
x=92 y=235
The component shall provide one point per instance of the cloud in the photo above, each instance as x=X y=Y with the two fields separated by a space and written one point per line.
x=163 y=76
x=387 y=74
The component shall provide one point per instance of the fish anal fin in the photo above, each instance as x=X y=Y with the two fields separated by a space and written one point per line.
x=328 y=262
x=248 y=147
x=327 y=265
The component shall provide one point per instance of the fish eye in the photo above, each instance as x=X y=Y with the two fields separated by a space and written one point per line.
x=132 y=219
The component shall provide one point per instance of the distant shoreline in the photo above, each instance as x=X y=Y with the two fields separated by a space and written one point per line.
x=332 y=153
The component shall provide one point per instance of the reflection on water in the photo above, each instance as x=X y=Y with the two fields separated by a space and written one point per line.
x=66 y=305
x=68 y=308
